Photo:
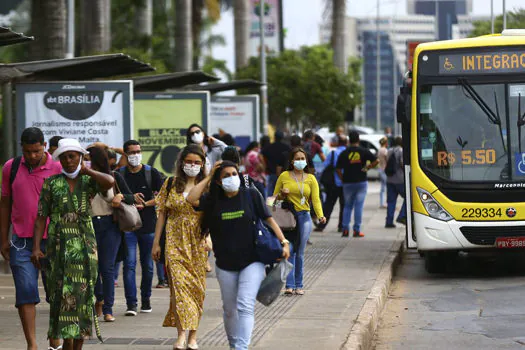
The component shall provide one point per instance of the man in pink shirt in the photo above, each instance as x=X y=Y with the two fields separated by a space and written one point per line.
x=19 y=207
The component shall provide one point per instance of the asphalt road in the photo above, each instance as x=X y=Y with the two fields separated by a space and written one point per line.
x=479 y=303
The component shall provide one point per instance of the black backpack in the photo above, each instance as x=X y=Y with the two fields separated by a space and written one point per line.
x=327 y=176
x=391 y=164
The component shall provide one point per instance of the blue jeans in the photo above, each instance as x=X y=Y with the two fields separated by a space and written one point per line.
x=355 y=194
x=145 y=243
x=270 y=187
x=305 y=225
x=160 y=271
x=238 y=292
x=108 y=240
x=393 y=190
x=382 y=178
x=25 y=274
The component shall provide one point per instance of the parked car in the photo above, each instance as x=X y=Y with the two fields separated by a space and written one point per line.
x=371 y=142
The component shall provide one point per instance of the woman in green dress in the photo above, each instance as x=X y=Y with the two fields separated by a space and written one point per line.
x=71 y=259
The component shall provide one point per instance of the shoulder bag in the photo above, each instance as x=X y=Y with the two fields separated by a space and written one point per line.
x=126 y=215
x=267 y=245
x=283 y=213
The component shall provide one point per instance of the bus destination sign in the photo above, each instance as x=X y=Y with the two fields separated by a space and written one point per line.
x=482 y=63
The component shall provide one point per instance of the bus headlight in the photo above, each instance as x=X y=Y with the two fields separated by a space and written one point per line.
x=433 y=208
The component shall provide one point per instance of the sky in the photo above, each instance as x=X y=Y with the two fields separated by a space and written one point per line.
x=302 y=22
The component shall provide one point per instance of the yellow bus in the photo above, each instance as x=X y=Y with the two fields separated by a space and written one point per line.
x=463 y=107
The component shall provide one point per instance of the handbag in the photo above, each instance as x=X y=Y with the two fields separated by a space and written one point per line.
x=127 y=215
x=162 y=240
x=273 y=283
x=282 y=213
x=267 y=246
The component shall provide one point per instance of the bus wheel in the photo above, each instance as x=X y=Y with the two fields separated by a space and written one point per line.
x=435 y=262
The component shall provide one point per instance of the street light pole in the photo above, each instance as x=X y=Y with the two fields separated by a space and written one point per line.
x=378 y=74
x=70 y=53
x=504 y=15
x=264 y=87
x=492 y=16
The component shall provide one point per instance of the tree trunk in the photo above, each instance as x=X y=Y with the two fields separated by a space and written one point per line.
x=338 y=33
x=145 y=18
x=241 y=13
x=48 y=25
x=96 y=26
x=183 y=36
x=196 y=28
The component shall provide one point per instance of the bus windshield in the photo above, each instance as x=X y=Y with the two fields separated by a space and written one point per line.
x=465 y=131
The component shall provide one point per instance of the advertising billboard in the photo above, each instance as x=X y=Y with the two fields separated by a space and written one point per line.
x=272 y=27
x=237 y=116
x=87 y=111
x=161 y=121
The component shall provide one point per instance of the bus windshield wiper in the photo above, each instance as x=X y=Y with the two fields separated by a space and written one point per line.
x=521 y=122
x=494 y=118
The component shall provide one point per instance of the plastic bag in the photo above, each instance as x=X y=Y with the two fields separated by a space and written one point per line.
x=273 y=283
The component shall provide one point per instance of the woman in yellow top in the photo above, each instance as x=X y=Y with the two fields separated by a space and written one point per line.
x=299 y=187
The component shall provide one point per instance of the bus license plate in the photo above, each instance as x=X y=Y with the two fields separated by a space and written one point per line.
x=510 y=242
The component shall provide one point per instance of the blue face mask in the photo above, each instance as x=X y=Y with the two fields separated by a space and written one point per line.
x=299 y=164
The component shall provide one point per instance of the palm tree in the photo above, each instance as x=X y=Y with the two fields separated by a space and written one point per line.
x=95 y=26
x=338 y=33
x=48 y=25
x=144 y=20
x=241 y=18
x=183 y=35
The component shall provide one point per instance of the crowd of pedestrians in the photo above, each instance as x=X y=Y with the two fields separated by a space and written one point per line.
x=62 y=207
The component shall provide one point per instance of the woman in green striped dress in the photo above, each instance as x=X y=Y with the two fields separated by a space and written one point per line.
x=71 y=245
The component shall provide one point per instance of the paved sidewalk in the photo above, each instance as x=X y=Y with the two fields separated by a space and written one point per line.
x=339 y=274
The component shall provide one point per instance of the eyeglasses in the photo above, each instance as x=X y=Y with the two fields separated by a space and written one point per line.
x=191 y=133
x=191 y=162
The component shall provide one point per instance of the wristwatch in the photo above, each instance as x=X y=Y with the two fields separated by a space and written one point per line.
x=285 y=241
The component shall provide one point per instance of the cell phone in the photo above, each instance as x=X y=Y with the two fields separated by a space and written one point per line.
x=44 y=263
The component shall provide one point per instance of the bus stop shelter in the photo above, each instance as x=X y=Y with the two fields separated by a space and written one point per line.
x=170 y=81
x=8 y=37
x=226 y=86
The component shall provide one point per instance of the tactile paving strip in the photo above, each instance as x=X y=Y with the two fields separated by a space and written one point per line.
x=317 y=259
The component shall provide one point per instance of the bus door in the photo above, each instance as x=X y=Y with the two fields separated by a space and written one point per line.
x=403 y=112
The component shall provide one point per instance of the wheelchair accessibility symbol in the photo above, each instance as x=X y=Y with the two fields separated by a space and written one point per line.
x=520 y=164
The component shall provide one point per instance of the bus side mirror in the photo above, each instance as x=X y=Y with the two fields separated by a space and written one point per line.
x=403 y=107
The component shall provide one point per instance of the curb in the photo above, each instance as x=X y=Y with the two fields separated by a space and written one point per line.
x=362 y=332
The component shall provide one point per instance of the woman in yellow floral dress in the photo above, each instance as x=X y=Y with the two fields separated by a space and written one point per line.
x=185 y=247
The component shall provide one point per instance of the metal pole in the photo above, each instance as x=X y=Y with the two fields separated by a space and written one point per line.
x=492 y=16
x=504 y=15
x=9 y=133
x=378 y=73
x=436 y=10
x=70 y=53
x=264 y=87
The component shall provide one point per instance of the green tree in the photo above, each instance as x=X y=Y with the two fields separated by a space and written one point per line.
x=515 y=20
x=306 y=86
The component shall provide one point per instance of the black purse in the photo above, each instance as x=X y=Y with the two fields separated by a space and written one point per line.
x=162 y=240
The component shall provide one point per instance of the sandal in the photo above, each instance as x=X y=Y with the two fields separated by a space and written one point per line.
x=299 y=291
x=52 y=348
x=288 y=291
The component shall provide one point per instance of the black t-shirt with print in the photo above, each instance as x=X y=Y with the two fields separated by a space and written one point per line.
x=231 y=227
x=352 y=161
x=137 y=184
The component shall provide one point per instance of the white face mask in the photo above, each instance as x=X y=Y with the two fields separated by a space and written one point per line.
x=197 y=137
x=135 y=159
x=75 y=173
x=191 y=170
x=231 y=184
